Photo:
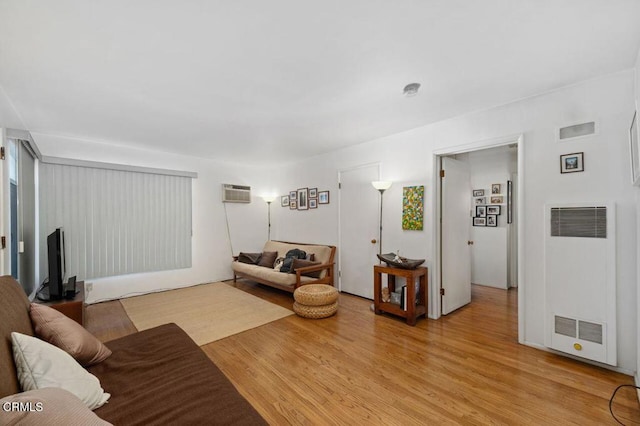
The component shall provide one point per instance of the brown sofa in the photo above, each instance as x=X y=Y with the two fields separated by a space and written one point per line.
x=155 y=377
x=323 y=254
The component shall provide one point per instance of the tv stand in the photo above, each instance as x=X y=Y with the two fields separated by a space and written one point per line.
x=73 y=308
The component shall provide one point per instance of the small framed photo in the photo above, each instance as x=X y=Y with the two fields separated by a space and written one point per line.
x=323 y=197
x=571 y=163
x=293 y=205
x=481 y=211
x=313 y=203
x=480 y=200
x=479 y=221
x=494 y=210
x=478 y=192
x=495 y=188
x=303 y=198
x=293 y=195
x=492 y=220
x=284 y=201
x=496 y=199
x=313 y=193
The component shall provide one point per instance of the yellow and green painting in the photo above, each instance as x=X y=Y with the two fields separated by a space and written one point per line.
x=413 y=208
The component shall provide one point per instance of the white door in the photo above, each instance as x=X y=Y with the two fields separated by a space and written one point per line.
x=359 y=228
x=456 y=219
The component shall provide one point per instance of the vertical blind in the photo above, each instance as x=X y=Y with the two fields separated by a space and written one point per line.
x=115 y=222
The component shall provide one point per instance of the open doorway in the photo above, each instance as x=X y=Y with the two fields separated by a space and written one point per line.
x=477 y=203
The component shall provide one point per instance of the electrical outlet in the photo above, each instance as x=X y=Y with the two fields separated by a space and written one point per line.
x=88 y=287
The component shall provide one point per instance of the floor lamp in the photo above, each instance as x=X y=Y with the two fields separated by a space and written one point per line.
x=381 y=186
x=269 y=199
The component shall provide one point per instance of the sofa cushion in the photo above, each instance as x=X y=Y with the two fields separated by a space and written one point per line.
x=301 y=263
x=15 y=317
x=321 y=253
x=41 y=365
x=59 y=330
x=268 y=258
x=251 y=258
x=264 y=273
x=160 y=376
x=48 y=406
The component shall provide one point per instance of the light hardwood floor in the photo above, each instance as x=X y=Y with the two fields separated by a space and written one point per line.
x=358 y=368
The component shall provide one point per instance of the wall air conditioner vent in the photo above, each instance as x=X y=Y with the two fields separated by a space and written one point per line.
x=586 y=222
x=236 y=193
x=576 y=131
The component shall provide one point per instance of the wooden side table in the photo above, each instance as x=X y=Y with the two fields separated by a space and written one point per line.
x=74 y=309
x=413 y=309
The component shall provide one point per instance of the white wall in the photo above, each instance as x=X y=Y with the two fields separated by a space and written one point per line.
x=408 y=157
x=211 y=245
x=490 y=245
x=637 y=102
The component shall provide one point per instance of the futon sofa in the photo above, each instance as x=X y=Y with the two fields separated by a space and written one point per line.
x=155 y=377
x=320 y=269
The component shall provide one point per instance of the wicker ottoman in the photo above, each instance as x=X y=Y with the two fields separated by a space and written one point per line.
x=315 y=301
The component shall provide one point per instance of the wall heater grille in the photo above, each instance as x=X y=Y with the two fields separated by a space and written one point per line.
x=580 y=280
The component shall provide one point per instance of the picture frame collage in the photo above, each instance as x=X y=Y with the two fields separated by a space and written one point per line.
x=487 y=214
x=304 y=199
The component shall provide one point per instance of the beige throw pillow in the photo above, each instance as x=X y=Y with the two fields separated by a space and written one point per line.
x=41 y=365
x=48 y=406
x=63 y=332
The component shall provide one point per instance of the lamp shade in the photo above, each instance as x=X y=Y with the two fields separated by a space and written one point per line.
x=381 y=185
x=269 y=198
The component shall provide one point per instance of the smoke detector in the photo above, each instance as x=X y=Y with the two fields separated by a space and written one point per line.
x=411 y=89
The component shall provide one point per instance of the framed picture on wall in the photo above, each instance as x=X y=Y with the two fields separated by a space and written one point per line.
x=293 y=205
x=495 y=188
x=303 y=198
x=478 y=192
x=313 y=193
x=293 y=195
x=323 y=197
x=493 y=209
x=479 y=221
x=480 y=200
x=284 y=201
x=492 y=220
x=313 y=203
x=571 y=163
x=481 y=211
x=509 y=202
x=496 y=199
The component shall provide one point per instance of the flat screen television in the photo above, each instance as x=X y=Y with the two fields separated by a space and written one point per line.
x=57 y=267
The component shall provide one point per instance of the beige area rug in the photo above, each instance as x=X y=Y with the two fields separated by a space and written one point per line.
x=207 y=312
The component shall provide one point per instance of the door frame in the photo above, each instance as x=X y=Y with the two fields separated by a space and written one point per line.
x=518 y=139
x=340 y=171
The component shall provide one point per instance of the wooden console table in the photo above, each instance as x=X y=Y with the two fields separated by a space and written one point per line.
x=73 y=308
x=413 y=309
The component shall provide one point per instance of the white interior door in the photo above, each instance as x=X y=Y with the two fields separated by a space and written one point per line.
x=456 y=256
x=359 y=226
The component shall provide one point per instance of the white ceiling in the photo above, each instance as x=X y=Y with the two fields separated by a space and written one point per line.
x=278 y=80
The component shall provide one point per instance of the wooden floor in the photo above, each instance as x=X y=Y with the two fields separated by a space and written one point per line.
x=359 y=368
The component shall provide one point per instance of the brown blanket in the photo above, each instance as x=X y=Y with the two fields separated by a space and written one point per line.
x=160 y=377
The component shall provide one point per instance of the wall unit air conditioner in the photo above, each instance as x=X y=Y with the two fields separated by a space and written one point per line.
x=236 y=193
x=580 y=280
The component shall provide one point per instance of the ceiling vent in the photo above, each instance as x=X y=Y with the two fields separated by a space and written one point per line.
x=576 y=131
x=236 y=193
